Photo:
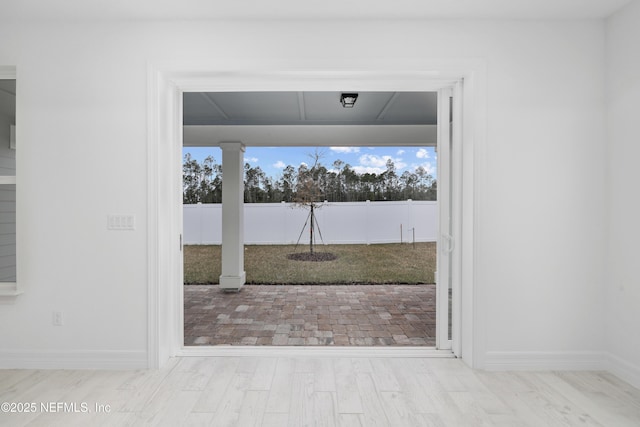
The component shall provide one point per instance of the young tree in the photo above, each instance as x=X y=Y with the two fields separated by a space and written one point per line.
x=309 y=194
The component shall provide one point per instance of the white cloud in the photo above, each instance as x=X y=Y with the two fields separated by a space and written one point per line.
x=252 y=159
x=368 y=169
x=374 y=161
x=400 y=152
x=428 y=166
x=422 y=154
x=280 y=164
x=345 y=149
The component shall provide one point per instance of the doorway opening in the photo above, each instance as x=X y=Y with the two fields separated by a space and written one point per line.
x=337 y=311
x=168 y=82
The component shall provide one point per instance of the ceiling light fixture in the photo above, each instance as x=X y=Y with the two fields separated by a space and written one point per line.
x=348 y=99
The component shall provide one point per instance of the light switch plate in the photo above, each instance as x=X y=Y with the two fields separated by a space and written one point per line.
x=121 y=222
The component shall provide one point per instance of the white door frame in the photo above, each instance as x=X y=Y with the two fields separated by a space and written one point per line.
x=166 y=84
x=446 y=241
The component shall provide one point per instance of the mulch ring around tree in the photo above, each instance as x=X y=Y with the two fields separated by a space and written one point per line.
x=312 y=256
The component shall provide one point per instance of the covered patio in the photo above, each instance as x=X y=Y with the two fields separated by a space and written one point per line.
x=311 y=315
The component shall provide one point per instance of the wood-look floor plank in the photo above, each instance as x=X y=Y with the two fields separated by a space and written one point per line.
x=228 y=411
x=440 y=401
x=469 y=409
x=17 y=379
x=433 y=420
x=324 y=375
x=398 y=409
x=487 y=401
x=280 y=392
x=383 y=375
x=606 y=389
x=271 y=419
x=418 y=396
x=142 y=386
x=198 y=419
x=325 y=409
x=349 y=400
x=253 y=408
x=554 y=408
x=351 y=420
x=515 y=394
x=52 y=388
x=212 y=394
x=371 y=402
x=590 y=402
x=302 y=405
x=361 y=365
x=247 y=364
x=263 y=376
x=177 y=410
x=305 y=365
x=164 y=395
x=201 y=369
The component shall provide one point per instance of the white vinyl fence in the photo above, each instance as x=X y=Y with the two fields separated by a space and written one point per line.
x=339 y=223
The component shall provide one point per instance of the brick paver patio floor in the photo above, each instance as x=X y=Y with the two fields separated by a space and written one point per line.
x=340 y=315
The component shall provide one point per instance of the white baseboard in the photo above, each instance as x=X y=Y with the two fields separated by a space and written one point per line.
x=69 y=359
x=622 y=369
x=544 y=361
x=563 y=361
x=311 y=351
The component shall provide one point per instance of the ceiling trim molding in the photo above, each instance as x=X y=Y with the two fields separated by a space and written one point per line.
x=312 y=135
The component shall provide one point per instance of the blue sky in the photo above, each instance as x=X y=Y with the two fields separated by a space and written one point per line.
x=362 y=159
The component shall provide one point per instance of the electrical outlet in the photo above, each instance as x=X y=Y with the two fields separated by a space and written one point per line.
x=57 y=318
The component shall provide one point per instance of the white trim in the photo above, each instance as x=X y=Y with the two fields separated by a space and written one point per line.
x=563 y=361
x=544 y=361
x=622 y=369
x=9 y=289
x=473 y=302
x=307 y=351
x=7 y=180
x=457 y=174
x=446 y=242
x=72 y=359
x=412 y=74
x=153 y=351
x=8 y=72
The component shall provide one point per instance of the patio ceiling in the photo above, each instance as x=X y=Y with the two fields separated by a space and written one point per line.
x=309 y=118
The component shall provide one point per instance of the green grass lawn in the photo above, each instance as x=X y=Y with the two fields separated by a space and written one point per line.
x=384 y=263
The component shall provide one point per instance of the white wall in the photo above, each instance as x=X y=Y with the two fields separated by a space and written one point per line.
x=339 y=223
x=623 y=290
x=83 y=139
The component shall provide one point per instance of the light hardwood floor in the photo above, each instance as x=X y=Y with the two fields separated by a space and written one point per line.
x=328 y=391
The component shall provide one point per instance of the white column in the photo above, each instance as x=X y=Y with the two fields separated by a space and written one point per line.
x=233 y=275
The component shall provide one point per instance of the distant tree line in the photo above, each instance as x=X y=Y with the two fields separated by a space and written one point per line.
x=202 y=182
